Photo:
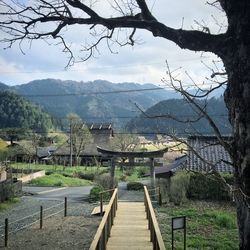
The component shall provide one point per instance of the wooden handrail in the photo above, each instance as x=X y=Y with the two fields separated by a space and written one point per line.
x=155 y=233
x=103 y=231
x=101 y=198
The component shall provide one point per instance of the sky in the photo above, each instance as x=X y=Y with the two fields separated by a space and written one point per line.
x=143 y=63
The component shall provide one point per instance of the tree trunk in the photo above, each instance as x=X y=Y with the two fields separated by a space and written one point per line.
x=237 y=98
x=235 y=53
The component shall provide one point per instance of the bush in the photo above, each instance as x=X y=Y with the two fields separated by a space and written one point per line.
x=178 y=188
x=105 y=180
x=206 y=187
x=89 y=175
x=123 y=178
x=141 y=172
x=49 y=172
x=94 y=193
x=129 y=171
x=135 y=186
x=86 y=176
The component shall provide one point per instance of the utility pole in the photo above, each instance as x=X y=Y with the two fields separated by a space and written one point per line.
x=70 y=159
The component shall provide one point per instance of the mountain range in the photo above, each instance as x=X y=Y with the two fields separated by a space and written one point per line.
x=97 y=101
x=103 y=101
x=167 y=117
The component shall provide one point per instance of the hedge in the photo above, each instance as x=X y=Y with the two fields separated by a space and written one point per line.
x=206 y=187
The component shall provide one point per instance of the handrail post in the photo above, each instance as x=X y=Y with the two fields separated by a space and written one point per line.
x=160 y=198
x=101 y=204
x=6 y=235
x=41 y=217
x=65 y=206
x=155 y=234
x=104 y=229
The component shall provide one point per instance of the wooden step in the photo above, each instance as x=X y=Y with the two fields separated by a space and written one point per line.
x=130 y=229
x=130 y=248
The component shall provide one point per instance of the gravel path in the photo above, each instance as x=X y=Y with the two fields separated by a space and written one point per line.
x=75 y=231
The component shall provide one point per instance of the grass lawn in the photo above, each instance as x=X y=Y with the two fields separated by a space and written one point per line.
x=59 y=169
x=125 y=175
x=210 y=225
x=59 y=180
x=7 y=204
x=133 y=175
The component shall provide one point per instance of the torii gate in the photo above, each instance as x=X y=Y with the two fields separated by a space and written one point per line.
x=131 y=155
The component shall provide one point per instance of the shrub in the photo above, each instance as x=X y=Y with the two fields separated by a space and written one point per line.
x=105 y=180
x=206 y=187
x=123 y=177
x=141 y=172
x=49 y=172
x=129 y=171
x=94 y=193
x=86 y=176
x=178 y=188
x=134 y=186
x=58 y=184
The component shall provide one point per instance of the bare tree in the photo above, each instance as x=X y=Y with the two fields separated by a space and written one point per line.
x=21 y=22
x=79 y=136
x=123 y=141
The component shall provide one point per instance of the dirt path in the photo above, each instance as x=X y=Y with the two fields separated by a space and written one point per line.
x=74 y=232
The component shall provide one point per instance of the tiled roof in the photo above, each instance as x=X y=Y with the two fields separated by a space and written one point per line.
x=211 y=151
x=99 y=126
x=45 y=151
x=178 y=163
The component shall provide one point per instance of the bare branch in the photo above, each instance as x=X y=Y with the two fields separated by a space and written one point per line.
x=201 y=110
x=22 y=22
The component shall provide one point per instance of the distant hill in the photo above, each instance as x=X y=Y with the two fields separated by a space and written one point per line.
x=181 y=110
x=16 y=112
x=97 y=101
x=3 y=86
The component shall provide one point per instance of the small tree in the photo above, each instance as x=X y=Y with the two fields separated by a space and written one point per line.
x=124 y=141
x=79 y=136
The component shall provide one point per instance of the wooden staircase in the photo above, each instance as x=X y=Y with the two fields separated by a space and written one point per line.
x=128 y=225
x=130 y=230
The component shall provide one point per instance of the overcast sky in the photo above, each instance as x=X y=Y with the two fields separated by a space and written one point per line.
x=143 y=63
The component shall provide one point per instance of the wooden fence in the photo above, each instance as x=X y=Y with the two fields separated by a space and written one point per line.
x=103 y=232
x=155 y=233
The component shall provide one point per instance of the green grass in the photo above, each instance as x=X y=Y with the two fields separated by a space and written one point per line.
x=58 y=180
x=7 y=204
x=69 y=171
x=58 y=168
x=210 y=225
x=130 y=176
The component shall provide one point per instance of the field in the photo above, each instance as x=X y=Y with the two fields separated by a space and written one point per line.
x=76 y=176
x=210 y=225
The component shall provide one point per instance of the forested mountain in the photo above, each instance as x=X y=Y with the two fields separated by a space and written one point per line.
x=16 y=112
x=103 y=101
x=181 y=110
x=3 y=86
x=97 y=101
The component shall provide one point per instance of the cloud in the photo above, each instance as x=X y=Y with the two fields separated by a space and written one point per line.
x=141 y=63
